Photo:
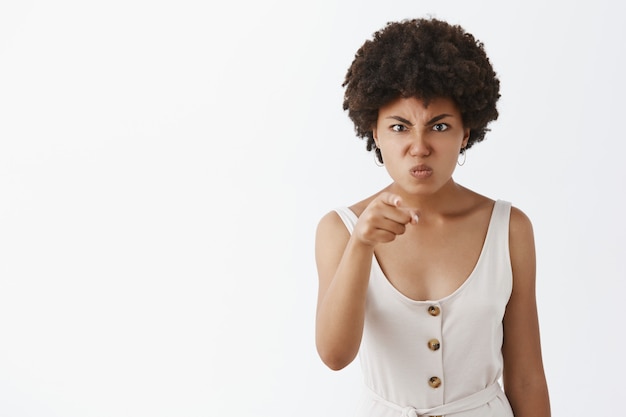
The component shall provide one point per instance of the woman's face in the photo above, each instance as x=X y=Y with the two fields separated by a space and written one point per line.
x=420 y=144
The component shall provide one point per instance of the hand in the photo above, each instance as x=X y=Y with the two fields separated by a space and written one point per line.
x=383 y=219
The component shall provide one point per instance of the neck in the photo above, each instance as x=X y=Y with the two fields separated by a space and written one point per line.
x=449 y=199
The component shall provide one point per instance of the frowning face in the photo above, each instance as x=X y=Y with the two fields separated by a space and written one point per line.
x=420 y=143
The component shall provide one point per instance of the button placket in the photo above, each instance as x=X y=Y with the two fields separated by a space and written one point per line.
x=434 y=344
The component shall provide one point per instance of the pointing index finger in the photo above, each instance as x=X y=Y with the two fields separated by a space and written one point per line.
x=392 y=199
x=395 y=200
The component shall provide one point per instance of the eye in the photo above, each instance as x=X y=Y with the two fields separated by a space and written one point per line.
x=440 y=127
x=399 y=128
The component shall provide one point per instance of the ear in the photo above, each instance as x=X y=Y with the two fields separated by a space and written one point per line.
x=375 y=136
x=466 y=135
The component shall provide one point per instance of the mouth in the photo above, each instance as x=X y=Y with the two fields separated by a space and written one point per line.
x=421 y=171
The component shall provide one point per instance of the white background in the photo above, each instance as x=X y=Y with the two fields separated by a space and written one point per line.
x=163 y=166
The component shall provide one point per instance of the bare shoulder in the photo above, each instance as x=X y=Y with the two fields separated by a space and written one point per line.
x=332 y=237
x=331 y=226
x=470 y=204
x=520 y=227
x=522 y=250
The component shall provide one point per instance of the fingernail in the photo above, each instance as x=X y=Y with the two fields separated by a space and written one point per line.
x=396 y=201
x=415 y=218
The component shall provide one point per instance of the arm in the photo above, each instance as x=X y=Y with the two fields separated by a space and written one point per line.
x=524 y=379
x=343 y=265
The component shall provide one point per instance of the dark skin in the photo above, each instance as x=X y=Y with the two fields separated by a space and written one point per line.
x=422 y=227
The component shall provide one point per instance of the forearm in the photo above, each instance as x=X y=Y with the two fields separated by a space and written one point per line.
x=529 y=399
x=340 y=314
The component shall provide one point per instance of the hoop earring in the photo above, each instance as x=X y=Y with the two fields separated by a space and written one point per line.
x=464 y=158
x=376 y=161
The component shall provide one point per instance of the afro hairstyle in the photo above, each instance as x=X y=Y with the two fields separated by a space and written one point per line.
x=423 y=58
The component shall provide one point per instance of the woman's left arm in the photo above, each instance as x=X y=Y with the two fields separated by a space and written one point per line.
x=524 y=378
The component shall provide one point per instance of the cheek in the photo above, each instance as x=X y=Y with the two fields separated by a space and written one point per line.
x=393 y=148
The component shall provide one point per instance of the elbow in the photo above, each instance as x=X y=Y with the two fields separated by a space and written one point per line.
x=337 y=349
x=335 y=360
x=335 y=364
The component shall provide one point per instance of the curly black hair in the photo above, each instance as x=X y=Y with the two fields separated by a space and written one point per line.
x=423 y=58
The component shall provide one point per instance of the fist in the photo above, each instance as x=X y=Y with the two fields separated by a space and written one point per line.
x=384 y=219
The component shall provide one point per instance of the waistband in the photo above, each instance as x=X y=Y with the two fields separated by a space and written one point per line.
x=475 y=400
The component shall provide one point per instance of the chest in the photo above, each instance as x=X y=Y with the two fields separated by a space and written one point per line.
x=430 y=262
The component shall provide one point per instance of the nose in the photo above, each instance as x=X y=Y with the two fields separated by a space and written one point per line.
x=419 y=146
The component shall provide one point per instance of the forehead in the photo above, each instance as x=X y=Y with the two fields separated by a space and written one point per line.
x=417 y=109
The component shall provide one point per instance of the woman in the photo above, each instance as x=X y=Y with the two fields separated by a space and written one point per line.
x=432 y=284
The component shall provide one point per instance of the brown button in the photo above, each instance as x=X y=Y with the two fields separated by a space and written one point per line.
x=433 y=344
x=434 y=382
x=434 y=311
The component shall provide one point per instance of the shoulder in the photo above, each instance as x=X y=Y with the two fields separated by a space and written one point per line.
x=331 y=239
x=522 y=249
x=471 y=205
x=332 y=233
x=331 y=223
x=520 y=226
x=332 y=220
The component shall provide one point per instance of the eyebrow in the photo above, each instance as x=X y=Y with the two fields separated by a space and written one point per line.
x=430 y=122
x=437 y=118
x=400 y=119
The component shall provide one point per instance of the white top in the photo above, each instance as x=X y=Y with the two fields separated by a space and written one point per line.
x=441 y=356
